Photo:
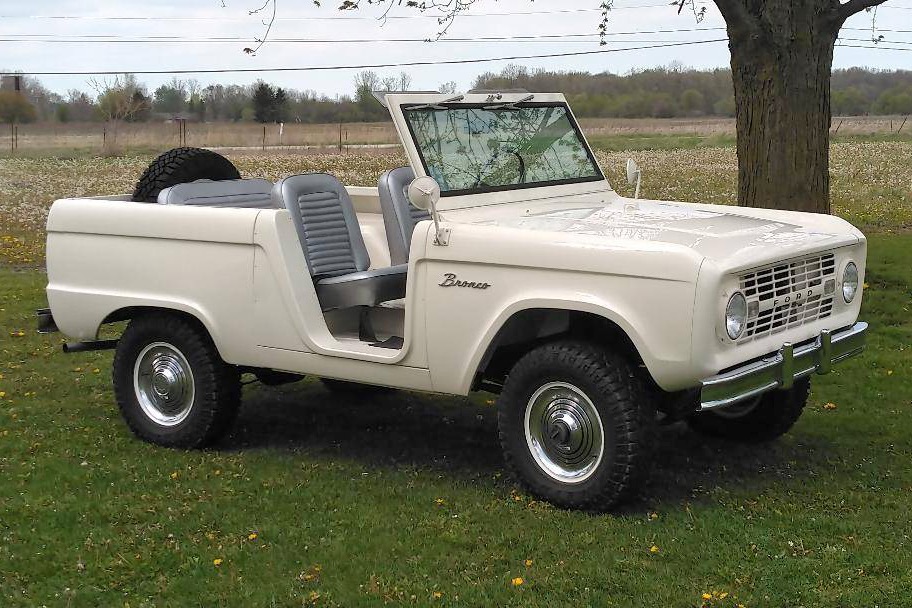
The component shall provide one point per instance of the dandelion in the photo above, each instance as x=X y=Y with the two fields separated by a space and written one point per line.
x=654 y=549
x=252 y=536
x=217 y=562
x=439 y=502
x=174 y=475
x=653 y=516
x=706 y=597
x=437 y=595
x=518 y=581
x=528 y=563
x=2 y=394
x=829 y=406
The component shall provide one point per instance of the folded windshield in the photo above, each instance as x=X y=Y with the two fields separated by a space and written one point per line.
x=473 y=148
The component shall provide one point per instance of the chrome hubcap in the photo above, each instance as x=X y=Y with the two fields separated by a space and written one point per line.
x=163 y=382
x=564 y=432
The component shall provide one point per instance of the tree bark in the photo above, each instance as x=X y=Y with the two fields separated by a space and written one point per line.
x=781 y=60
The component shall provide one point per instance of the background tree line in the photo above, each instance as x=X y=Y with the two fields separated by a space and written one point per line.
x=666 y=92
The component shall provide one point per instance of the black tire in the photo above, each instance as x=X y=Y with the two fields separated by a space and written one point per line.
x=612 y=388
x=179 y=166
x=216 y=387
x=773 y=415
x=343 y=387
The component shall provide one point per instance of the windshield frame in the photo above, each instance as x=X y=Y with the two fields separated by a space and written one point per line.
x=598 y=177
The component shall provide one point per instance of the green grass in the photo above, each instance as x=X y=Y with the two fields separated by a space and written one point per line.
x=393 y=499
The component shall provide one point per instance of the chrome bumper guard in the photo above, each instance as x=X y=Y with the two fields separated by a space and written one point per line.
x=779 y=371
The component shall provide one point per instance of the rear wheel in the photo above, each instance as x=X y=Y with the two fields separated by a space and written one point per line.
x=576 y=426
x=172 y=387
x=762 y=419
x=179 y=166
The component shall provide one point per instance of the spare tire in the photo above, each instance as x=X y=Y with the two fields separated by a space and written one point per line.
x=179 y=166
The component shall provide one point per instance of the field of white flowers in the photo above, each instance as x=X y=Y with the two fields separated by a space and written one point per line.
x=871 y=183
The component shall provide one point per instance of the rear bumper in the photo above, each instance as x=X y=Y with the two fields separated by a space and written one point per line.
x=781 y=369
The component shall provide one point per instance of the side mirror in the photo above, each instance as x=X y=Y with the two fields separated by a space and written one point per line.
x=633 y=176
x=423 y=193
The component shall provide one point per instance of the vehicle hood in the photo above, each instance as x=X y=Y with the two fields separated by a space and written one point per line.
x=735 y=235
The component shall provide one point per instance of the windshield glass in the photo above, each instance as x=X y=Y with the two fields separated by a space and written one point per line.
x=469 y=149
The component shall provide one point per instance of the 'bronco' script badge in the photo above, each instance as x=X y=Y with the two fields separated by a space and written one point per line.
x=450 y=280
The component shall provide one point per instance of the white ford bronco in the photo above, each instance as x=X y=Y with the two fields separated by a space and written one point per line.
x=500 y=259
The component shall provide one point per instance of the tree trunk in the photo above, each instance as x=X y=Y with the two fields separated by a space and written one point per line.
x=781 y=65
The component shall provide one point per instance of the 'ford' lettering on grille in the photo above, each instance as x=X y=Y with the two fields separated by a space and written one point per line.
x=795 y=298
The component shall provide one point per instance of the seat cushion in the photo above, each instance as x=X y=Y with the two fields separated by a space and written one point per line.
x=365 y=288
x=325 y=221
x=243 y=193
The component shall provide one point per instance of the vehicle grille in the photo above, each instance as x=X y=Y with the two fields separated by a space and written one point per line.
x=765 y=286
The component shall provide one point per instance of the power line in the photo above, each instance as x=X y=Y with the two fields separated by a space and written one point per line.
x=584 y=37
x=876 y=42
x=875 y=48
x=375 y=65
x=335 y=18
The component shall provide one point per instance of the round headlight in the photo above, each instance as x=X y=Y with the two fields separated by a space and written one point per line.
x=849 y=282
x=736 y=315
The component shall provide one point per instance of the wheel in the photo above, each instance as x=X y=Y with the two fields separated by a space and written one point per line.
x=179 y=166
x=354 y=388
x=576 y=425
x=762 y=419
x=172 y=387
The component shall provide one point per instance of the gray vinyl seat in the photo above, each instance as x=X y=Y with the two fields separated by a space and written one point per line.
x=399 y=216
x=243 y=193
x=334 y=249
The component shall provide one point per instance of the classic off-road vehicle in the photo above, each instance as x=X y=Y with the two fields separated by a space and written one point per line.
x=500 y=260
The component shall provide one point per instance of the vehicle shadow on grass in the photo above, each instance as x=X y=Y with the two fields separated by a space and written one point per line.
x=458 y=436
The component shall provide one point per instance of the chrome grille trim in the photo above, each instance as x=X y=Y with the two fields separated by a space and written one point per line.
x=773 y=291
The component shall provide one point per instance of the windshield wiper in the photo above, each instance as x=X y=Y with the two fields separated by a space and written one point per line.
x=510 y=105
x=438 y=105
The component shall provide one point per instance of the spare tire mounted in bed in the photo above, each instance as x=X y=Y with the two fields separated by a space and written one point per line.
x=182 y=165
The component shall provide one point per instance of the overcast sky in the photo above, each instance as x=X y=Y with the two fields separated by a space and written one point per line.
x=197 y=19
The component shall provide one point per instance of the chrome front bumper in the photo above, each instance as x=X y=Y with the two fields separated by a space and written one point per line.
x=780 y=370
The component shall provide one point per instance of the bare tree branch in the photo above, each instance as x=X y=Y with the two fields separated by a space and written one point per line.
x=268 y=24
x=847 y=9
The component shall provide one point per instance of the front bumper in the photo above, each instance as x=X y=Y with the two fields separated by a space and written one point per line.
x=780 y=370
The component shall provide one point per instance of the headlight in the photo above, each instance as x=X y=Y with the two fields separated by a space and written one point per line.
x=849 y=282
x=736 y=315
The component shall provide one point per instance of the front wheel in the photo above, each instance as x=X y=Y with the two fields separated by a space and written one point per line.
x=765 y=418
x=576 y=426
x=171 y=385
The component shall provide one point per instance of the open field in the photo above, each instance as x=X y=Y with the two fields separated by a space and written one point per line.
x=872 y=182
x=617 y=133
x=402 y=499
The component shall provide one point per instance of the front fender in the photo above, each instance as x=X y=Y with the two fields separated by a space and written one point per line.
x=656 y=315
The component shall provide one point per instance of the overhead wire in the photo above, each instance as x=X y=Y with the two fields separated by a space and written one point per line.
x=372 y=65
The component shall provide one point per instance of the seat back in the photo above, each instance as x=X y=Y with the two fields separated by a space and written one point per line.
x=325 y=221
x=399 y=216
x=244 y=193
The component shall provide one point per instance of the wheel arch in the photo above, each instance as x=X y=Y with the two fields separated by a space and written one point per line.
x=508 y=340
x=193 y=316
